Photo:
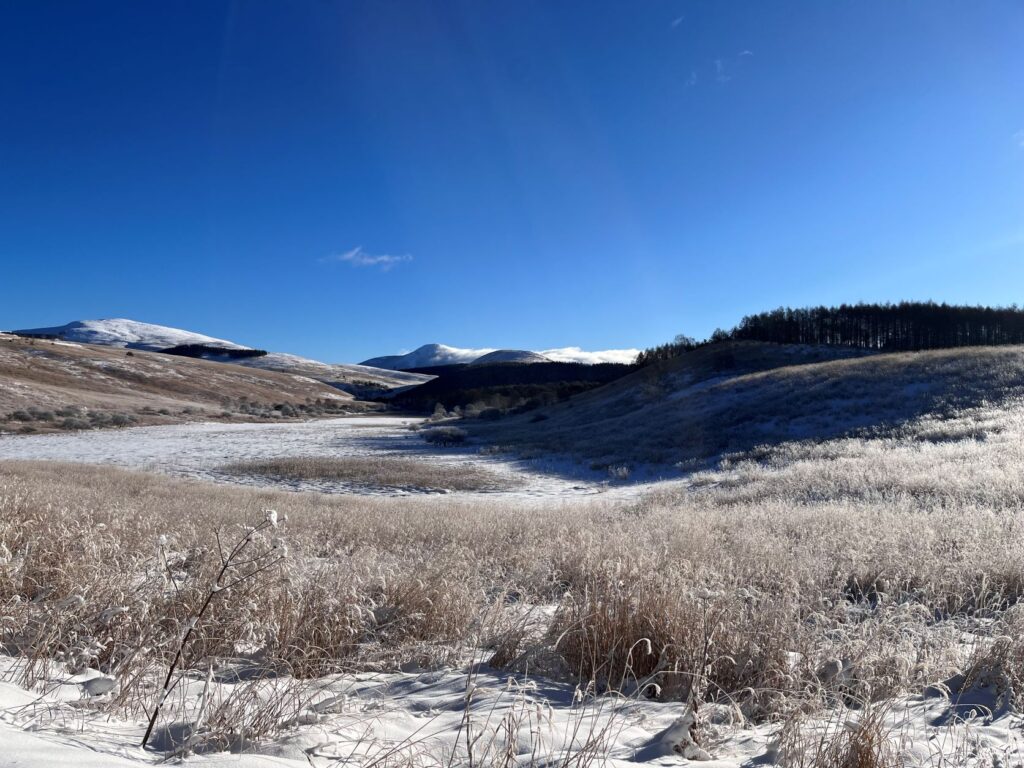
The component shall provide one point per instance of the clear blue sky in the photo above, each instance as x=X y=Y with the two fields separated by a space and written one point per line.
x=542 y=174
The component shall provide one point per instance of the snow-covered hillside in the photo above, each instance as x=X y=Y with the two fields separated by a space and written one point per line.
x=132 y=334
x=430 y=355
x=122 y=332
x=427 y=356
x=359 y=380
x=510 y=356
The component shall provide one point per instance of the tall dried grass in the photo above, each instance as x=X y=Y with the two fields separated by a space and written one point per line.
x=787 y=581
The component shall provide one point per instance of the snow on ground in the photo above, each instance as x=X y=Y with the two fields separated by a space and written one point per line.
x=365 y=718
x=199 y=450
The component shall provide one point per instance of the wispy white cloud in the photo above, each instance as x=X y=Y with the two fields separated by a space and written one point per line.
x=720 y=74
x=727 y=68
x=1019 y=138
x=691 y=81
x=677 y=21
x=357 y=257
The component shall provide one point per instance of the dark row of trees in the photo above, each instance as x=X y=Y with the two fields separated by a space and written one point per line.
x=674 y=348
x=909 y=325
x=904 y=326
x=206 y=351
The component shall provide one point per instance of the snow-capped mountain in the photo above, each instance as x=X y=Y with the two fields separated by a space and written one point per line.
x=510 y=356
x=577 y=355
x=427 y=356
x=430 y=355
x=121 y=332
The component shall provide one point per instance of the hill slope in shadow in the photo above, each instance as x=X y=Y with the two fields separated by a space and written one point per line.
x=734 y=396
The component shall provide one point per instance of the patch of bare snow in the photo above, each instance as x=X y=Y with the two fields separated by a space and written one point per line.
x=358 y=718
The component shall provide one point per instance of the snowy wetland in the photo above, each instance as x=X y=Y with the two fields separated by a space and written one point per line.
x=218 y=452
x=850 y=602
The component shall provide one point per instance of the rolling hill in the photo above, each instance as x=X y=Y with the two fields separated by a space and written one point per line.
x=360 y=381
x=735 y=396
x=505 y=385
x=64 y=379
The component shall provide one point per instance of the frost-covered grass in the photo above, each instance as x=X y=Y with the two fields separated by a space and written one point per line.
x=378 y=471
x=797 y=585
x=739 y=395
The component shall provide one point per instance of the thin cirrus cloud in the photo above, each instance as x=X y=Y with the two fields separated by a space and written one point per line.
x=1018 y=137
x=727 y=68
x=358 y=257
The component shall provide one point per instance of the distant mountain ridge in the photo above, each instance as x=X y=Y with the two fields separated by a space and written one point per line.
x=359 y=380
x=435 y=355
x=371 y=378
x=427 y=356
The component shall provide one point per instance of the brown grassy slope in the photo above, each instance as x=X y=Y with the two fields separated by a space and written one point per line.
x=735 y=396
x=53 y=375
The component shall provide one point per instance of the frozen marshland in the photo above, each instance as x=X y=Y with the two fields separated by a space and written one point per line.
x=851 y=602
x=215 y=451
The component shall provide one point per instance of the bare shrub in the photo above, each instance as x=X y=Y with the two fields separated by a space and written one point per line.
x=848 y=739
x=238 y=564
x=998 y=663
x=444 y=435
x=619 y=472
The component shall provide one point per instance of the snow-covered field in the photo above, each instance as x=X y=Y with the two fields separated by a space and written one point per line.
x=442 y=718
x=201 y=450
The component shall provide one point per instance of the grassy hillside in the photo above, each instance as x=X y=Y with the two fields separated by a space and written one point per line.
x=737 y=395
x=360 y=381
x=46 y=385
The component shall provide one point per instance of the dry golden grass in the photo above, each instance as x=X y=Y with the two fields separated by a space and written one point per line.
x=785 y=581
x=743 y=587
x=378 y=472
x=153 y=388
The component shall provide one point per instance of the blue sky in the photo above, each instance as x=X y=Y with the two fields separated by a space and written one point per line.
x=346 y=179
